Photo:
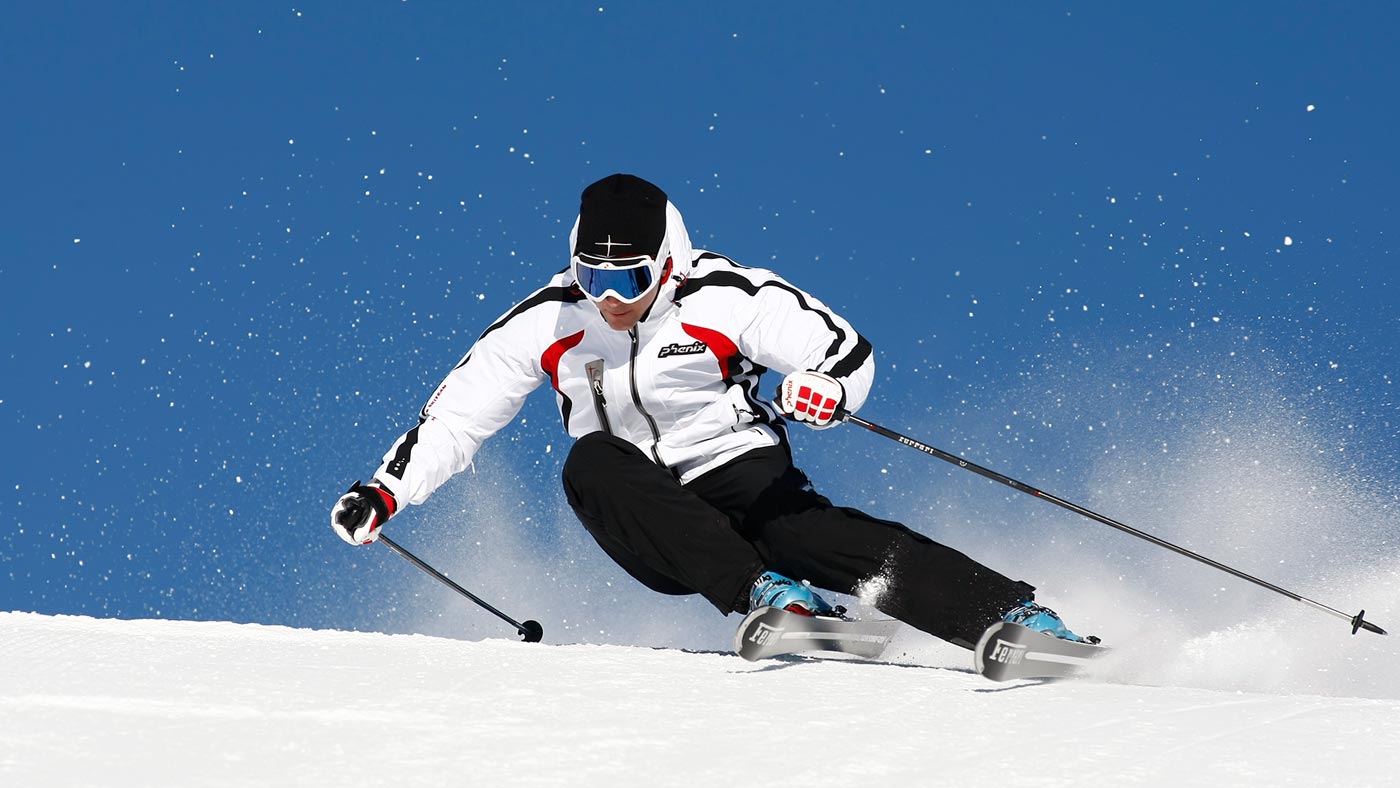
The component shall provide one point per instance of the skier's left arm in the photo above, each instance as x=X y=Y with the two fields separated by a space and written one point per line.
x=828 y=365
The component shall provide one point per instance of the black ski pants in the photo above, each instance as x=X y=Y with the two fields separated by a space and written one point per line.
x=715 y=535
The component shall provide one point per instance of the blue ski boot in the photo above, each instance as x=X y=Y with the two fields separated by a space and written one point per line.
x=774 y=590
x=1044 y=620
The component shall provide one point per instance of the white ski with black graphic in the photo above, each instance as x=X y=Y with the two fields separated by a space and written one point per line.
x=1009 y=651
x=772 y=631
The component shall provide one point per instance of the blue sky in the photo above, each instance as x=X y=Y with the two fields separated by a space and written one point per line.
x=1095 y=247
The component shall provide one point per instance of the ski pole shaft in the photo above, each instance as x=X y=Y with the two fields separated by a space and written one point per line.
x=1358 y=621
x=530 y=631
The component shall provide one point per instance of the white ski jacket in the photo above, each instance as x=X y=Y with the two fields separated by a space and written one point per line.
x=683 y=385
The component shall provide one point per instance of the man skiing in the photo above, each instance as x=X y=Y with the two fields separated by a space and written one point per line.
x=681 y=470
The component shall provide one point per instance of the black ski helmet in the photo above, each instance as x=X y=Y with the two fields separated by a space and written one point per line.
x=621 y=216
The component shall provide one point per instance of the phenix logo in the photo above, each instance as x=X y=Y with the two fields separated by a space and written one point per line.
x=675 y=349
x=1008 y=653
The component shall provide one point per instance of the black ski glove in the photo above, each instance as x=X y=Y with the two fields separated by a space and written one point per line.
x=360 y=512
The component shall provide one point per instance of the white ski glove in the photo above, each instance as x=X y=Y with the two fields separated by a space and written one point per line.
x=813 y=397
x=361 y=511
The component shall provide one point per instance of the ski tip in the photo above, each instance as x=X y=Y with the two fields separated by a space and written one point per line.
x=742 y=632
x=978 y=663
x=1007 y=652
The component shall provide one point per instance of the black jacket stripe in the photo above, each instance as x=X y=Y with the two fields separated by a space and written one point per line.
x=843 y=367
x=400 y=461
x=566 y=409
x=565 y=295
x=852 y=361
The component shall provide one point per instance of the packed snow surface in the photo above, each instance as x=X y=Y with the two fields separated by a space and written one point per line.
x=105 y=702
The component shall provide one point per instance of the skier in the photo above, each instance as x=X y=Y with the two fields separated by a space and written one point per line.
x=681 y=470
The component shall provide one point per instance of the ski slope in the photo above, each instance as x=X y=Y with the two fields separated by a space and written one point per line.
x=105 y=702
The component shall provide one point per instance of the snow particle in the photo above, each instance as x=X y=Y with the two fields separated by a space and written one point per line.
x=1287 y=240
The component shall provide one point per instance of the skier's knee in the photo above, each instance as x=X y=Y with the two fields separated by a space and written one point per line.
x=592 y=459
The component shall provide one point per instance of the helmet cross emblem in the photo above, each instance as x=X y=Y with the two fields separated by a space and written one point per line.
x=610 y=243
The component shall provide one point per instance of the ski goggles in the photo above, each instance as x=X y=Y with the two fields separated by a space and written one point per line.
x=627 y=279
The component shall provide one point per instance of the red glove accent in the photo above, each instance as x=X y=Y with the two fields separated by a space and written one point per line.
x=812 y=397
x=390 y=504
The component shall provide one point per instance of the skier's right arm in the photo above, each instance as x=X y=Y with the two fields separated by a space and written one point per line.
x=479 y=396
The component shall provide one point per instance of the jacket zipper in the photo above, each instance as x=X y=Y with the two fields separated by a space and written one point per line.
x=595 y=384
x=637 y=400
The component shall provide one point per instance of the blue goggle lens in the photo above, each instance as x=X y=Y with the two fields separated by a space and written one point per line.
x=629 y=281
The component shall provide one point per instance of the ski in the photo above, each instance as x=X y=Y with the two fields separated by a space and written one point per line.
x=1009 y=651
x=771 y=631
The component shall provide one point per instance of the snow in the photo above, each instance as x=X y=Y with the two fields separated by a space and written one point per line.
x=137 y=703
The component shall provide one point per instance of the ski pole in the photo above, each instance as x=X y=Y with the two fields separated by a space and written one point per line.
x=530 y=631
x=1358 y=621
